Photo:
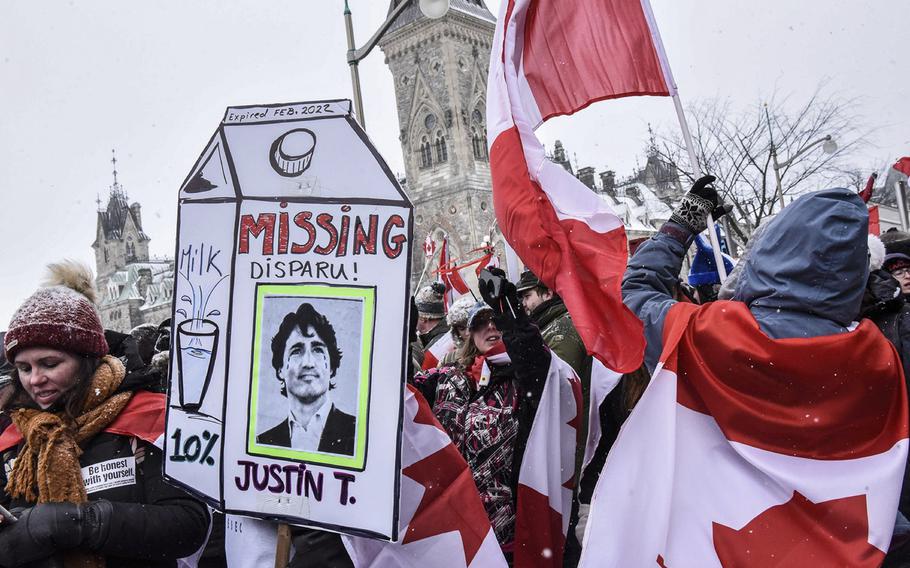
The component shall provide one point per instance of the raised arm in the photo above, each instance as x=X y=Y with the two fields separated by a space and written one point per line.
x=649 y=285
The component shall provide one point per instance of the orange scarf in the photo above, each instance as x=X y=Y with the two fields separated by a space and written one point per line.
x=49 y=459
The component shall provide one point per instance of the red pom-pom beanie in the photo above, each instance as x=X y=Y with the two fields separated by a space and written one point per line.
x=58 y=317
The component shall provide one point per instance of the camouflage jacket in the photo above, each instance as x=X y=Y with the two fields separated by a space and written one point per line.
x=560 y=335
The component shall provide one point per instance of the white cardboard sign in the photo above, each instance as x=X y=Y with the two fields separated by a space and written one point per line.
x=289 y=323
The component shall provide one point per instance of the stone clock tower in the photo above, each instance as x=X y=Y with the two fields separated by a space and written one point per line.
x=440 y=71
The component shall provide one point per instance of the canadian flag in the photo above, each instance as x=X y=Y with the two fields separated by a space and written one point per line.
x=750 y=451
x=554 y=58
x=429 y=247
x=547 y=476
x=450 y=276
x=443 y=346
x=443 y=522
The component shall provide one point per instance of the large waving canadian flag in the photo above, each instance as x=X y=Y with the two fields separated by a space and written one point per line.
x=554 y=58
x=750 y=451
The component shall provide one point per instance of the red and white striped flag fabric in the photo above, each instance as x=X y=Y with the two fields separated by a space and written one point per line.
x=443 y=346
x=443 y=522
x=603 y=381
x=450 y=276
x=547 y=476
x=553 y=58
x=755 y=451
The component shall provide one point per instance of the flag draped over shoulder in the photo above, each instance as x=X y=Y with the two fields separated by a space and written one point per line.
x=443 y=522
x=553 y=58
x=756 y=452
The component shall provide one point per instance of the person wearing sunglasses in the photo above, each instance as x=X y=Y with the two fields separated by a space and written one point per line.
x=487 y=399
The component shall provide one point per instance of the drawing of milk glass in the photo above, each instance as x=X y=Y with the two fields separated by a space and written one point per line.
x=197 y=345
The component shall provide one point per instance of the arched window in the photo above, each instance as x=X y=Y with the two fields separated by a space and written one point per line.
x=130 y=251
x=479 y=142
x=426 y=153
x=479 y=134
x=442 y=153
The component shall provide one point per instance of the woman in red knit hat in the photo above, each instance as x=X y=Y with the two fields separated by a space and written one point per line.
x=78 y=466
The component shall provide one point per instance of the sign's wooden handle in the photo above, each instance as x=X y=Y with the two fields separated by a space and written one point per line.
x=283 y=548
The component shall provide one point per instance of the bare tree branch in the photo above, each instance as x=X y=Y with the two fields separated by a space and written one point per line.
x=739 y=147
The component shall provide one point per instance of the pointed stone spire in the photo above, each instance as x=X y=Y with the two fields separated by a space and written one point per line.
x=114 y=161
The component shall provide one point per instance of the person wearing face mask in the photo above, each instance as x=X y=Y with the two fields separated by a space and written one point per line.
x=487 y=401
x=78 y=464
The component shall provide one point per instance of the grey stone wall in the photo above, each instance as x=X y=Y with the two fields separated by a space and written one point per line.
x=440 y=70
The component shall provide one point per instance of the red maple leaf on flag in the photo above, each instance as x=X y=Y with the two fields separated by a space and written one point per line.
x=575 y=423
x=450 y=502
x=802 y=533
x=424 y=414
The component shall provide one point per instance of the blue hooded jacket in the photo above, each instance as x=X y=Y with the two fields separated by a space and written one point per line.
x=804 y=276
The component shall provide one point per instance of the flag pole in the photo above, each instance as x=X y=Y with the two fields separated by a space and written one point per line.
x=513 y=263
x=693 y=160
x=424 y=273
x=684 y=125
x=901 y=204
x=283 y=546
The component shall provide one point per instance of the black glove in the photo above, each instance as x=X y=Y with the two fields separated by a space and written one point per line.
x=502 y=297
x=48 y=528
x=701 y=200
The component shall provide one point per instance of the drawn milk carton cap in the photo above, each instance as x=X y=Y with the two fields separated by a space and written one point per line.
x=293 y=151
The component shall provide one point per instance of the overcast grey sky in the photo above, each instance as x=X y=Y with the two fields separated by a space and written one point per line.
x=152 y=79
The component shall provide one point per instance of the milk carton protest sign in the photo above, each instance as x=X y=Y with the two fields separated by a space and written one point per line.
x=289 y=324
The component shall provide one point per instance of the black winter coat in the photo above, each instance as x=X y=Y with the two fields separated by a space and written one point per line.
x=887 y=307
x=154 y=523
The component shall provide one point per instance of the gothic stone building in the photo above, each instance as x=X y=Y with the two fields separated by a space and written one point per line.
x=440 y=72
x=132 y=288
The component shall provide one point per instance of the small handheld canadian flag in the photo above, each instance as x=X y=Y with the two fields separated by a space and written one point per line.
x=429 y=246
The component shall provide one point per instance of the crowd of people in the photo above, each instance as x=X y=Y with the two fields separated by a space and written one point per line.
x=813 y=271
x=75 y=397
x=80 y=401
